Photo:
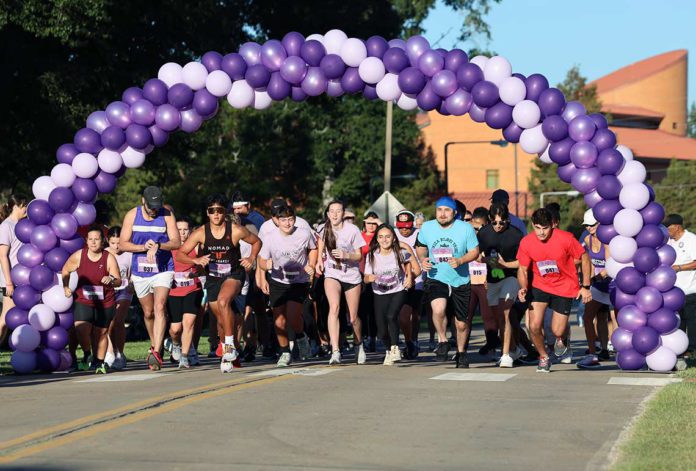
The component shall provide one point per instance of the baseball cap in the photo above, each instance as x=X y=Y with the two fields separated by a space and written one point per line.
x=673 y=219
x=348 y=213
x=277 y=205
x=153 y=197
x=500 y=196
x=404 y=220
x=589 y=219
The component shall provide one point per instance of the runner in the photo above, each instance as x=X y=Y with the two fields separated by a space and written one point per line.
x=149 y=232
x=445 y=247
x=289 y=254
x=184 y=303
x=502 y=196
x=551 y=253
x=115 y=357
x=420 y=219
x=240 y=204
x=10 y=214
x=225 y=267
x=366 y=310
x=95 y=299
x=499 y=242
x=339 y=245
x=409 y=317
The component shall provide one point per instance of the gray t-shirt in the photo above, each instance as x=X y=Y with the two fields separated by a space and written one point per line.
x=8 y=237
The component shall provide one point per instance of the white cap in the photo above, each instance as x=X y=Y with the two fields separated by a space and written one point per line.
x=589 y=219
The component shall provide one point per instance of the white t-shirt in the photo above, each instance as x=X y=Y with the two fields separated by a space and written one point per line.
x=686 y=253
x=8 y=237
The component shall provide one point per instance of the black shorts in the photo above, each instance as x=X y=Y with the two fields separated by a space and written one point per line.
x=559 y=304
x=213 y=284
x=180 y=305
x=282 y=293
x=459 y=296
x=97 y=316
x=414 y=298
x=345 y=286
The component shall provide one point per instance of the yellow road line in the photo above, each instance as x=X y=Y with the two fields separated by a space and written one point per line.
x=185 y=399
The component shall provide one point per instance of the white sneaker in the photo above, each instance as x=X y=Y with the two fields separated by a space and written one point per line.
x=168 y=344
x=303 y=347
x=110 y=359
x=176 y=352
x=193 y=357
x=610 y=347
x=228 y=357
x=184 y=362
x=284 y=360
x=395 y=353
x=506 y=361
x=567 y=357
x=360 y=356
x=388 y=360
x=335 y=358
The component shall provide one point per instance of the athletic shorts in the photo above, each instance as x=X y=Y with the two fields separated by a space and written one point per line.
x=345 y=286
x=559 y=304
x=213 y=284
x=97 y=316
x=414 y=298
x=180 y=305
x=600 y=296
x=146 y=285
x=505 y=290
x=459 y=296
x=282 y=293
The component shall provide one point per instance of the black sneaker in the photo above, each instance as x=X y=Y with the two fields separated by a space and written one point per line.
x=442 y=350
x=462 y=360
x=324 y=351
x=269 y=352
x=532 y=358
x=410 y=351
x=248 y=354
x=603 y=355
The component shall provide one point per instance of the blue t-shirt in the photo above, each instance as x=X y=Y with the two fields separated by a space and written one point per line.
x=518 y=223
x=442 y=244
x=255 y=218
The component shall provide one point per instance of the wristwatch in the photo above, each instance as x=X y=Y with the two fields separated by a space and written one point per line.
x=585 y=286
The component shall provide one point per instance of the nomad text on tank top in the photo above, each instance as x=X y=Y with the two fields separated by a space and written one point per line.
x=224 y=255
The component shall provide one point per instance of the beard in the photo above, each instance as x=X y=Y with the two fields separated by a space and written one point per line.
x=445 y=223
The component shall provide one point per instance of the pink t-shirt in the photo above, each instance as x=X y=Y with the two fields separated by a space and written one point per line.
x=389 y=275
x=8 y=237
x=289 y=254
x=348 y=239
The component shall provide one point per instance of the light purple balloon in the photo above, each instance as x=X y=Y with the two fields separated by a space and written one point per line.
x=566 y=172
x=29 y=255
x=131 y=95
x=415 y=47
x=334 y=88
x=142 y=112
x=119 y=114
x=292 y=42
x=251 y=52
x=621 y=339
x=44 y=238
x=167 y=117
x=98 y=121
x=72 y=245
x=444 y=83
x=667 y=255
x=592 y=198
x=273 y=54
x=293 y=70
x=42 y=317
x=64 y=225
x=662 y=359
x=648 y=299
x=459 y=103
x=572 y=110
x=25 y=338
x=397 y=43
x=477 y=113
x=581 y=128
x=431 y=62
x=190 y=121
x=20 y=275
x=631 y=318
x=583 y=154
x=663 y=321
x=85 y=213
x=662 y=278
x=315 y=82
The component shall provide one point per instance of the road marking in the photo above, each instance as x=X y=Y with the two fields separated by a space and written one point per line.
x=119 y=378
x=297 y=372
x=498 y=377
x=629 y=381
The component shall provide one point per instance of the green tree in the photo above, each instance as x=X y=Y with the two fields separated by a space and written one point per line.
x=691 y=121
x=675 y=192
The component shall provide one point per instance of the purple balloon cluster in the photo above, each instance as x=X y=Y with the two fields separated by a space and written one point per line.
x=412 y=74
x=38 y=339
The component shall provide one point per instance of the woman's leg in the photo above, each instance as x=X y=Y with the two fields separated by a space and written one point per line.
x=395 y=303
x=189 y=323
x=353 y=302
x=381 y=305
x=332 y=288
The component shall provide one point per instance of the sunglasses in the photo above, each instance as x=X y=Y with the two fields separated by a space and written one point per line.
x=467 y=219
x=349 y=218
x=216 y=210
x=370 y=223
x=499 y=223
x=590 y=225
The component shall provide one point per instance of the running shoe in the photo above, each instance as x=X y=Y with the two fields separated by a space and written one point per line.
x=184 y=362
x=212 y=353
x=168 y=344
x=395 y=353
x=360 y=357
x=559 y=348
x=193 y=357
x=610 y=346
x=506 y=361
x=249 y=353
x=284 y=360
x=118 y=363
x=101 y=369
x=544 y=365
x=335 y=358
x=604 y=355
x=589 y=362
x=218 y=350
x=230 y=354
x=303 y=348
x=176 y=352
x=442 y=350
x=154 y=360
x=462 y=360
x=388 y=360
x=518 y=353
x=237 y=363
x=567 y=357
x=109 y=359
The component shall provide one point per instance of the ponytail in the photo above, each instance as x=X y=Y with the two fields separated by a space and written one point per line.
x=12 y=201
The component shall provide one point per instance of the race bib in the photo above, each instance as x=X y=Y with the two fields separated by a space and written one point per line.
x=146 y=267
x=93 y=293
x=219 y=269
x=182 y=279
x=334 y=266
x=292 y=275
x=548 y=267
x=478 y=269
x=442 y=254
x=386 y=282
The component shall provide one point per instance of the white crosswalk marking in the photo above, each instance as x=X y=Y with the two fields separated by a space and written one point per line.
x=632 y=381
x=297 y=371
x=474 y=377
x=119 y=378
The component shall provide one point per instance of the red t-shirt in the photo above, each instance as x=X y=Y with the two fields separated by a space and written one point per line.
x=184 y=282
x=365 y=248
x=552 y=262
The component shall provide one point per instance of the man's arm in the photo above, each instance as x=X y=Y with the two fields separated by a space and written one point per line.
x=127 y=234
x=182 y=255
x=523 y=280
x=586 y=267
x=173 y=234
x=250 y=239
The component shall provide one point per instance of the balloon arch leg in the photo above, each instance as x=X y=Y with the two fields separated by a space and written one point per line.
x=410 y=73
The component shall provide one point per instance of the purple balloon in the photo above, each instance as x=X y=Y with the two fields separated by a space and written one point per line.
x=298 y=94
x=292 y=42
x=88 y=140
x=674 y=299
x=190 y=121
x=160 y=137
x=585 y=179
x=459 y=102
x=119 y=114
x=581 y=128
x=583 y=154
x=16 y=317
x=645 y=260
x=113 y=138
x=20 y=275
x=498 y=116
x=650 y=236
x=293 y=70
x=554 y=128
x=431 y=62
x=605 y=211
x=621 y=339
x=234 y=65
x=97 y=121
x=211 y=60
x=395 y=60
x=610 y=162
x=566 y=172
x=205 y=103
x=535 y=84
x=592 y=198
x=551 y=101
x=631 y=318
x=84 y=189
x=512 y=133
x=351 y=81
x=23 y=362
x=43 y=238
x=56 y=338
x=653 y=213
x=47 y=360
x=26 y=297
x=23 y=230
x=332 y=65
x=572 y=110
x=66 y=153
x=155 y=90
x=444 y=83
x=278 y=89
x=599 y=120
x=559 y=151
x=648 y=299
x=131 y=95
x=620 y=299
x=84 y=213
x=315 y=82
x=257 y=76
x=645 y=340
x=662 y=278
x=604 y=139
x=370 y=92
x=667 y=255
x=411 y=80
x=443 y=108
x=56 y=258
x=334 y=89
x=376 y=46
x=663 y=321
x=72 y=245
x=105 y=182
x=66 y=319
x=630 y=360
x=468 y=75
x=167 y=117
x=312 y=52
x=138 y=136
x=143 y=112
x=415 y=46
x=180 y=96
x=398 y=43
x=606 y=232
x=427 y=99
x=454 y=59
x=39 y=212
x=61 y=199
x=64 y=225
x=609 y=187
x=485 y=94
x=251 y=52
x=41 y=278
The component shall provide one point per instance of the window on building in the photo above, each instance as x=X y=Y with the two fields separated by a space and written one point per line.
x=492 y=179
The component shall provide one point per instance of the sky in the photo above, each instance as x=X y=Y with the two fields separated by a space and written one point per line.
x=550 y=37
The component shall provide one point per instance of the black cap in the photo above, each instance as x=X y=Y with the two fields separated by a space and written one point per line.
x=500 y=196
x=277 y=205
x=153 y=197
x=673 y=219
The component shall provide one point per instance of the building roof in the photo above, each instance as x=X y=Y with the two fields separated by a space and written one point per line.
x=656 y=144
x=639 y=70
x=630 y=110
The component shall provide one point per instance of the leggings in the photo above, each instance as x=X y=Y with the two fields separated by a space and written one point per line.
x=387 y=308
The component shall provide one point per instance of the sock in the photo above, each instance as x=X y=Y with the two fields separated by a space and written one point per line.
x=229 y=339
x=285 y=349
x=85 y=357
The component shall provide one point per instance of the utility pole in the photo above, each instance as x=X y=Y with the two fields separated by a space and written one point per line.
x=388 y=154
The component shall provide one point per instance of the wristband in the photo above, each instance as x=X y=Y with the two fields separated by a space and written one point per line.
x=585 y=286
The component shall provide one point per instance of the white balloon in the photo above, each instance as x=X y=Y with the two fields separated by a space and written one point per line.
x=315 y=37
x=388 y=87
x=613 y=267
x=622 y=248
x=634 y=196
x=56 y=300
x=109 y=161
x=333 y=40
x=218 y=83
x=676 y=341
x=628 y=222
x=497 y=69
x=85 y=165
x=545 y=157
x=371 y=70
x=63 y=175
x=632 y=172
x=526 y=114
x=533 y=141
x=353 y=52
x=512 y=91
x=132 y=158
x=625 y=151
x=194 y=75
x=662 y=359
x=42 y=187
x=480 y=61
x=406 y=102
x=241 y=94
x=170 y=73
x=262 y=100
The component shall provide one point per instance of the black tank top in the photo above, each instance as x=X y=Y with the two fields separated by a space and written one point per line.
x=224 y=255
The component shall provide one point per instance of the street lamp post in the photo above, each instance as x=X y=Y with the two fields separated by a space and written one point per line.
x=500 y=143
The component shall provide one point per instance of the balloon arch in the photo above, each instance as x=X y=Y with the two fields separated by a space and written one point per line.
x=411 y=74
